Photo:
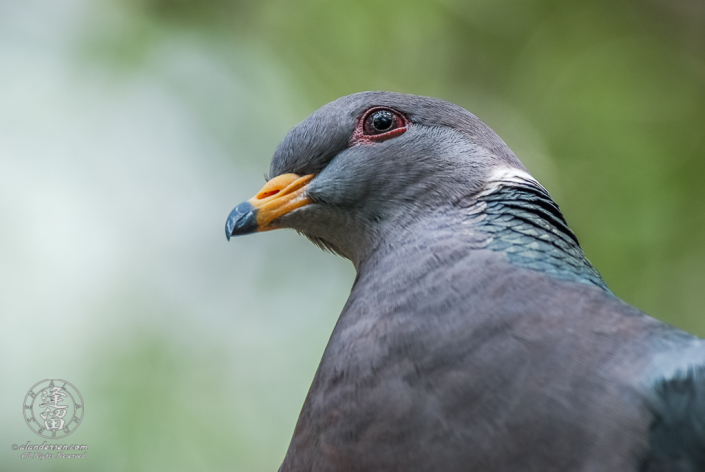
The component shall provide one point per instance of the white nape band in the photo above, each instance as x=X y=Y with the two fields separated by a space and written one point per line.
x=508 y=177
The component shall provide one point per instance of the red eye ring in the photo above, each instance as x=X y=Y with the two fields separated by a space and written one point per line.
x=379 y=124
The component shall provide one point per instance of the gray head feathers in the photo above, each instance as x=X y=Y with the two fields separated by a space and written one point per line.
x=364 y=189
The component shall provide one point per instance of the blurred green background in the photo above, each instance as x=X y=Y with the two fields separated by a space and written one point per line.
x=130 y=128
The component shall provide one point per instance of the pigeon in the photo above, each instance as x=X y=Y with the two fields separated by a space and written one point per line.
x=477 y=335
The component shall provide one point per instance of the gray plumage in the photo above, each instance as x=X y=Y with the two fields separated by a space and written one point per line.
x=477 y=336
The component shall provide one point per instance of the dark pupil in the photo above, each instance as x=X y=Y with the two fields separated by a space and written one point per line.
x=382 y=121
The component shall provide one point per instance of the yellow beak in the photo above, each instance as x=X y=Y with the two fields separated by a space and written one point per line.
x=279 y=196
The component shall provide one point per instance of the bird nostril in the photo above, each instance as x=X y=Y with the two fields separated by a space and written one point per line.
x=262 y=195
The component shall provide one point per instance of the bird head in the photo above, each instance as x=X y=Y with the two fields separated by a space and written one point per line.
x=369 y=164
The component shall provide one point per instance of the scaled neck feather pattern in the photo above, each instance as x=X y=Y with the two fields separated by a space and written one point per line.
x=523 y=222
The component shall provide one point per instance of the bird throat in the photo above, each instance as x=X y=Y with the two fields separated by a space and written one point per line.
x=523 y=222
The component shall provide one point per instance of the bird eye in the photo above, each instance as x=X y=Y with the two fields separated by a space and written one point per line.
x=381 y=121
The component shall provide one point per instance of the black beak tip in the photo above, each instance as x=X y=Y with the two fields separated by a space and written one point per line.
x=242 y=220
